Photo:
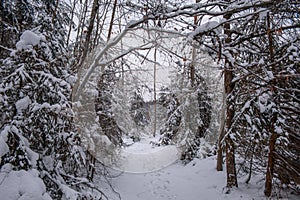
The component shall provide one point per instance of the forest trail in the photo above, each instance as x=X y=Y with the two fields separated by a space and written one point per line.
x=196 y=181
x=144 y=157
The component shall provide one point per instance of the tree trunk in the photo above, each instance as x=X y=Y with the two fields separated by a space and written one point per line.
x=95 y=42
x=192 y=65
x=91 y=165
x=251 y=165
x=55 y=11
x=89 y=32
x=71 y=21
x=273 y=137
x=80 y=28
x=229 y=144
x=112 y=20
x=229 y=86
x=221 y=137
x=154 y=88
x=271 y=160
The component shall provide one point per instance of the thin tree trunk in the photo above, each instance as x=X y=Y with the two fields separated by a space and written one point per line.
x=229 y=144
x=229 y=86
x=112 y=20
x=95 y=42
x=71 y=21
x=251 y=165
x=103 y=21
x=192 y=66
x=221 y=137
x=95 y=9
x=220 y=153
x=55 y=11
x=273 y=137
x=91 y=165
x=84 y=16
x=271 y=160
x=154 y=88
x=80 y=29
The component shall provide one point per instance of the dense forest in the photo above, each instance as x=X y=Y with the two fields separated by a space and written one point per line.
x=78 y=78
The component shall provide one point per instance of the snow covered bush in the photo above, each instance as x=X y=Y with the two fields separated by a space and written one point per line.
x=37 y=114
x=32 y=187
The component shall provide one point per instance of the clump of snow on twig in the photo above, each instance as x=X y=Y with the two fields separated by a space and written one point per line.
x=29 y=39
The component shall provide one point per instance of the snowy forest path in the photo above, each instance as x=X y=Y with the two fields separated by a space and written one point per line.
x=176 y=182
x=144 y=157
x=197 y=180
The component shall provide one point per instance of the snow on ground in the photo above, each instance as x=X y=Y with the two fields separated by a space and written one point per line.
x=143 y=156
x=198 y=180
x=21 y=185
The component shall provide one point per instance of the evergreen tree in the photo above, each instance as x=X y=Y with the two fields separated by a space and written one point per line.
x=103 y=104
x=138 y=109
x=171 y=127
x=37 y=117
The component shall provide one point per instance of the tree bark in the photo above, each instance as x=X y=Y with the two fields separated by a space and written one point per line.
x=273 y=137
x=192 y=66
x=95 y=9
x=229 y=86
x=229 y=144
x=71 y=21
x=55 y=11
x=221 y=137
x=271 y=161
x=83 y=13
x=112 y=20
x=154 y=88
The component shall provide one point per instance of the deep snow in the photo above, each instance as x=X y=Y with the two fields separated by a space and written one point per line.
x=198 y=180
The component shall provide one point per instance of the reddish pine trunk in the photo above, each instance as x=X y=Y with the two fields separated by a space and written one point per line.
x=271 y=159
x=270 y=167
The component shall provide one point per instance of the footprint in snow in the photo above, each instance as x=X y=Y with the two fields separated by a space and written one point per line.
x=160 y=189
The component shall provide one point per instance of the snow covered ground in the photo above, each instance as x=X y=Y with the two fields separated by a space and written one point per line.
x=21 y=185
x=144 y=157
x=198 y=180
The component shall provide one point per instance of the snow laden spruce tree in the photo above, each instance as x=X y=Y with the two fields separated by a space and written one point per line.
x=189 y=114
x=103 y=105
x=37 y=129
